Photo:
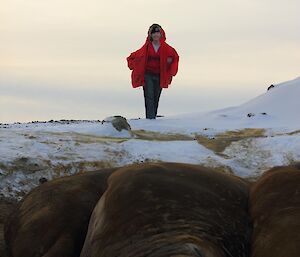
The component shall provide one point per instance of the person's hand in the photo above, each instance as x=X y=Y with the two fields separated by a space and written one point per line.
x=169 y=60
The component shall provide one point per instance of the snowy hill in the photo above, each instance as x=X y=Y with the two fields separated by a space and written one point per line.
x=280 y=106
x=276 y=108
x=282 y=101
x=246 y=140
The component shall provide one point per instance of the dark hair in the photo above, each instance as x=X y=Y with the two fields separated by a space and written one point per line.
x=154 y=25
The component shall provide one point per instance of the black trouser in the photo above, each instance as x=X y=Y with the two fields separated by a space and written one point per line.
x=152 y=91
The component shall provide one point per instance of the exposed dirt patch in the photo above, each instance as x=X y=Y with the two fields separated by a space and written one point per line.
x=79 y=167
x=6 y=206
x=293 y=132
x=27 y=165
x=31 y=166
x=219 y=142
x=84 y=138
x=151 y=135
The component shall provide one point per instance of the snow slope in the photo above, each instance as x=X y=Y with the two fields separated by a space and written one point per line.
x=30 y=151
x=277 y=109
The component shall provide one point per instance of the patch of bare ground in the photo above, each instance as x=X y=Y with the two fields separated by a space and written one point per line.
x=31 y=166
x=151 y=135
x=79 y=167
x=85 y=138
x=219 y=142
x=293 y=133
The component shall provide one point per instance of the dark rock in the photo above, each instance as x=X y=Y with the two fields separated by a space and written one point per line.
x=43 y=180
x=118 y=122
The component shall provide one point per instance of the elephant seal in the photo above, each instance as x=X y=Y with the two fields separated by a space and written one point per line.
x=52 y=219
x=275 y=211
x=170 y=209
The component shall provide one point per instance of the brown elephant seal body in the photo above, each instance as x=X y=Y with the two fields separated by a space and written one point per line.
x=52 y=220
x=275 y=211
x=170 y=209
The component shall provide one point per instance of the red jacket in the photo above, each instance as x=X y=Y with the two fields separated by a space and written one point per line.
x=137 y=63
x=153 y=61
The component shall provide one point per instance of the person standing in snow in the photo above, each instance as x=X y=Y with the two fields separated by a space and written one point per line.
x=153 y=67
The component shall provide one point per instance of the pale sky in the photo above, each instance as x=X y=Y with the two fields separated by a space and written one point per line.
x=67 y=59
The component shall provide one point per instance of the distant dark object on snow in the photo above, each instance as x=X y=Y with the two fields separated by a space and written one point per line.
x=250 y=114
x=43 y=180
x=118 y=122
x=271 y=86
x=223 y=115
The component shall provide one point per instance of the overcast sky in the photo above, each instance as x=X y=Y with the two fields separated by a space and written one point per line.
x=67 y=59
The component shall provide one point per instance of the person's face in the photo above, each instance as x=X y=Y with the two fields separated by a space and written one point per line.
x=156 y=36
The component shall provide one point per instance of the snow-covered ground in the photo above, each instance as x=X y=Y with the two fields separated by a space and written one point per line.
x=30 y=151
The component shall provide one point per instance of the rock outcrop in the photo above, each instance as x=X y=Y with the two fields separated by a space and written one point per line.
x=118 y=122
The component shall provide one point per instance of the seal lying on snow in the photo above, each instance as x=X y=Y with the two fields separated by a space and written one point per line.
x=275 y=210
x=52 y=219
x=170 y=209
